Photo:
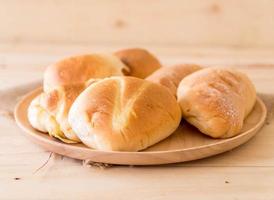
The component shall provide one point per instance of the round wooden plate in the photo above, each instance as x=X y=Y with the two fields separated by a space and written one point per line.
x=185 y=144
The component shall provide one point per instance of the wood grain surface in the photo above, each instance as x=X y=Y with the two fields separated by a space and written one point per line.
x=234 y=23
x=29 y=172
x=33 y=34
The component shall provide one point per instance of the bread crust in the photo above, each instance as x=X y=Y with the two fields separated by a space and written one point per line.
x=63 y=82
x=48 y=112
x=124 y=114
x=170 y=77
x=140 y=62
x=79 y=69
x=216 y=101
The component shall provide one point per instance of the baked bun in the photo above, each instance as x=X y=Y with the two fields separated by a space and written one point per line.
x=36 y=113
x=140 y=62
x=170 y=77
x=48 y=112
x=63 y=82
x=44 y=121
x=216 y=101
x=79 y=69
x=124 y=114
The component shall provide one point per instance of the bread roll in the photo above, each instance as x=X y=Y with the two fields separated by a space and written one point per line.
x=140 y=62
x=36 y=113
x=43 y=121
x=216 y=101
x=124 y=114
x=48 y=112
x=63 y=82
x=170 y=77
x=79 y=69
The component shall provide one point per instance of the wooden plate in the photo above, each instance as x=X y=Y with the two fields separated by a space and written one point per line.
x=185 y=144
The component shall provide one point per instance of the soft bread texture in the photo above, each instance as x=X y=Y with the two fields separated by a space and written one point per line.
x=216 y=101
x=63 y=82
x=48 y=112
x=124 y=114
x=170 y=77
x=43 y=121
x=35 y=113
x=79 y=69
x=140 y=62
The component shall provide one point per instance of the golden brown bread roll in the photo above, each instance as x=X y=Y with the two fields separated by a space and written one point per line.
x=63 y=82
x=124 y=114
x=79 y=69
x=216 y=101
x=140 y=62
x=170 y=77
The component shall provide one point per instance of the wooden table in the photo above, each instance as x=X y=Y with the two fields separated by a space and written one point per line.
x=29 y=172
